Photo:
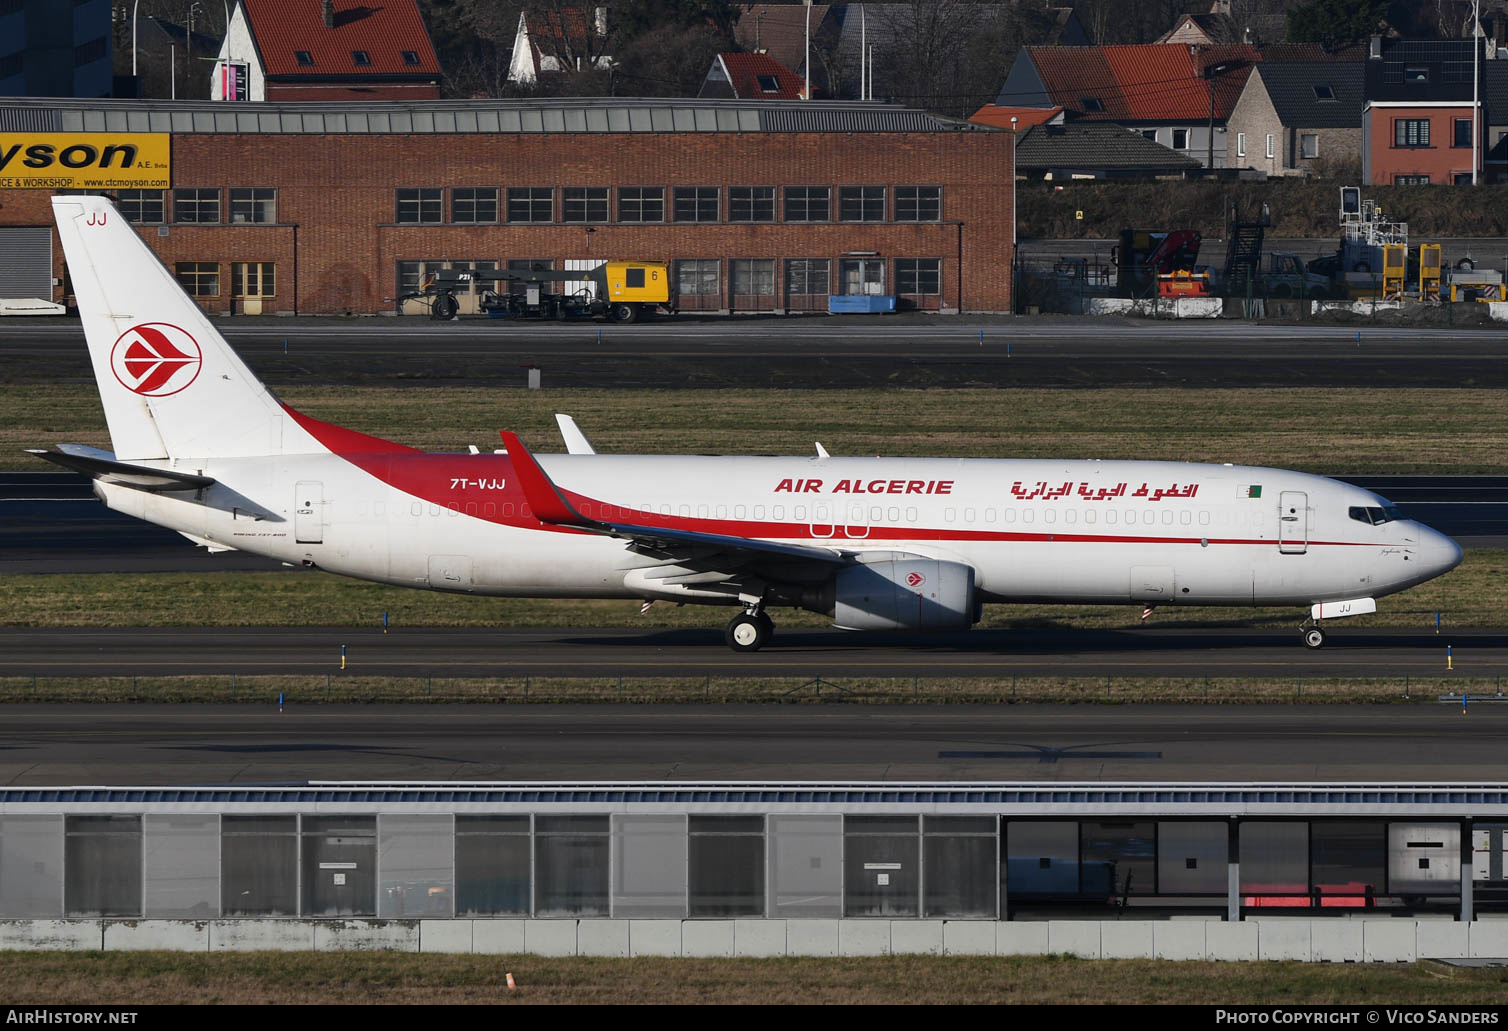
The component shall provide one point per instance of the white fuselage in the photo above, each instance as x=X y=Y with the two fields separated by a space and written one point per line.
x=1048 y=531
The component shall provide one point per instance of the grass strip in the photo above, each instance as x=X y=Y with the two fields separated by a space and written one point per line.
x=1361 y=430
x=262 y=978
x=1468 y=596
x=348 y=687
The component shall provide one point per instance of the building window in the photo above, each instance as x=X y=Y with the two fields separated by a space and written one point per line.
x=698 y=281
x=1149 y=134
x=1323 y=92
x=1411 y=132
x=641 y=204
x=411 y=57
x=197 y=205
x=254 y=204
x=1416 y=73
x=142 y=207
x=1271 y=145
x=253 y=279
x=304 y=58
x=918 y=275
x=361 y=58
x=1092 y=105
x=585 y=204
x=198 y=278
x=861 y=203
x=752 y=277
x=751 y=204
x=859 y=277
x=806 y=203
x=1240 y=144
x=1180 y=139
x=918 y=203
x=420 y=205
x=1308 y=145
x=1410 y=180
x=473 y=204
x=531 y=204
x=1462 y=132
x=808 y=277
x=697 y=204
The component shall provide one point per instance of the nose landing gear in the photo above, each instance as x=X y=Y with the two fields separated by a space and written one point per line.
x=1313 y=636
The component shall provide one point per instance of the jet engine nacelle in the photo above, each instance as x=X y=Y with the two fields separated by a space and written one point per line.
x=905 y=593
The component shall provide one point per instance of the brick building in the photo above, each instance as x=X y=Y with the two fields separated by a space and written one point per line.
x=334 y=208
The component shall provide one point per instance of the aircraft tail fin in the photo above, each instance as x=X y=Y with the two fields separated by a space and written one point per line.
x=170 y=384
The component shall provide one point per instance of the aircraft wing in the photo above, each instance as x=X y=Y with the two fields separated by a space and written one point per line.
x=550 y=506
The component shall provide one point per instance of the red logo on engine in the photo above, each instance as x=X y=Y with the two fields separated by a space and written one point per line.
x=915 y=579
x=156 y=359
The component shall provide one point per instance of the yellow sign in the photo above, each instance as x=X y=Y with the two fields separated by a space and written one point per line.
x=1079 y=215
x=85 y=160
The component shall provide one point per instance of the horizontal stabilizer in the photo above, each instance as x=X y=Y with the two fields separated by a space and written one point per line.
x=101 y=465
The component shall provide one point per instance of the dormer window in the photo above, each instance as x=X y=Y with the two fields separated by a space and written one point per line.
x=304 y=58
x=1416 y=73
x=1093 y=105
x=769 y=83
x=411 y=57
x=361 y=57
x=1323 y=93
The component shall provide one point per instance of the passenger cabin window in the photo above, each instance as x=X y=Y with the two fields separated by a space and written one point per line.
x=1376 y=516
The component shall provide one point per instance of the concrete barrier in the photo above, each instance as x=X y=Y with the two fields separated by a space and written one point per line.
x=1279 y=939
x=708 y=938
x=1442 y=939
x=366 y=935
x=261 y=936
x=1178 y=939
x=602 y=937
x=1075 y=937
x=500 y=937
x=863 y=938
x=969 y=937
x=1021 y=939
x=654 y=937
x=52 y=935
x=1336 y=941
x=1389 y=941
x=1127 y=939
x=916 y=937
x=144 y=935
x=550 y=937
x=1230 y=942
x=445 y=936
x=1489 y=939
x=811 y=937
x=759 y=937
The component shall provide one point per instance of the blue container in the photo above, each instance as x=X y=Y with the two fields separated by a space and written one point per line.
x=860 y=304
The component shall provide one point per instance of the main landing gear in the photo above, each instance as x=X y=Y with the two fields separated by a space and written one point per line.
x=749 y=631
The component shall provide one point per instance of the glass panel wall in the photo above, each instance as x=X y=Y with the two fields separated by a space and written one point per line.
x=571 y=865
x=31 y=866
x=649 y=866
x=1274 y=860
x=182 y=866
x=881 y=865
x=958 y=866
x=1120 y=855
x=805 y=862
x=1347 y=861
x=102 y=857
x=416 y=855
x=1042 y=858
x=493 y=862
x=340 y=866
x=1192 y=858
x=258 y=866
x=726 y=860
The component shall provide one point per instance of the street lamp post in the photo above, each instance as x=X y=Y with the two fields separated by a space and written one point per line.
x=1014 y=220
x=1476 y=53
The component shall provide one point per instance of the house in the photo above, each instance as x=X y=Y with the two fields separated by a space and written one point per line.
x=1294 y=116
x=780 y=30
x=326 y=50
x=170 y=58
x=1025 y=117
x=556 y=42
x=1417 y=122
x=1173 y=94
x=1095 y=150
x=751 y=77
x=1495 y=91
x=1203 y=30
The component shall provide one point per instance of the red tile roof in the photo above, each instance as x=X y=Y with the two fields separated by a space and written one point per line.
x=744 y=71
x=384 y=29
x=1026 y=117
x=1154 y=82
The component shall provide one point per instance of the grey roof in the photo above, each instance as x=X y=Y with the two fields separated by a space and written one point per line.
x=1291 y=87
x=566 y=115
x=1495 y=91
x=1096 y=146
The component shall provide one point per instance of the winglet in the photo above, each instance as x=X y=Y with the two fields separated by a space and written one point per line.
x=544 y=499
x=575 y=441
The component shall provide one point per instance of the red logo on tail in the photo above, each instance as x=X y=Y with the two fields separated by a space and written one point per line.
x=915 y=579
x=156 y=359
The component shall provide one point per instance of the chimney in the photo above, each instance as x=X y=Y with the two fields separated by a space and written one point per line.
x=329 y=6
x=1374 y=49
x=599 y=20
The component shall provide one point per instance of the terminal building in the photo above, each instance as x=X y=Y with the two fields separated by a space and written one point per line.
x=1382 y=872
x=341 y=208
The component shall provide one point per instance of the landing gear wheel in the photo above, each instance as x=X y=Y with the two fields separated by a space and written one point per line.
x=1314 y=637
x=747 y=633
x=624 y=312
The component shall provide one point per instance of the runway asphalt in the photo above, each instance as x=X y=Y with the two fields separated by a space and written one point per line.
x=146 y=745
x=1144 y=651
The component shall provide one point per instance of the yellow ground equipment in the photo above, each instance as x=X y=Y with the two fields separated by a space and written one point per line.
x=1429 y=272
x=1394 y=270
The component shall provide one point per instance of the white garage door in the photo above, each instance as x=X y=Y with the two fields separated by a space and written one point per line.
x=26 y=263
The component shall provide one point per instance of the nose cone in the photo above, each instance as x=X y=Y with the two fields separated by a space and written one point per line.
x=1438 y=552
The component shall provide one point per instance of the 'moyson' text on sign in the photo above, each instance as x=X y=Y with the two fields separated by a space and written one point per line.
x=84 y=160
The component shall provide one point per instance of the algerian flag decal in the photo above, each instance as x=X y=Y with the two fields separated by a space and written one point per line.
x=1252 y=491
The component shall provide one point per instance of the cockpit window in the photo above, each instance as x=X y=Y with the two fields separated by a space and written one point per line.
x=1376 y=516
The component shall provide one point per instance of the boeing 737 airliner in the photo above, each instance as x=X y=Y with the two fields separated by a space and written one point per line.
x=202 y=447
